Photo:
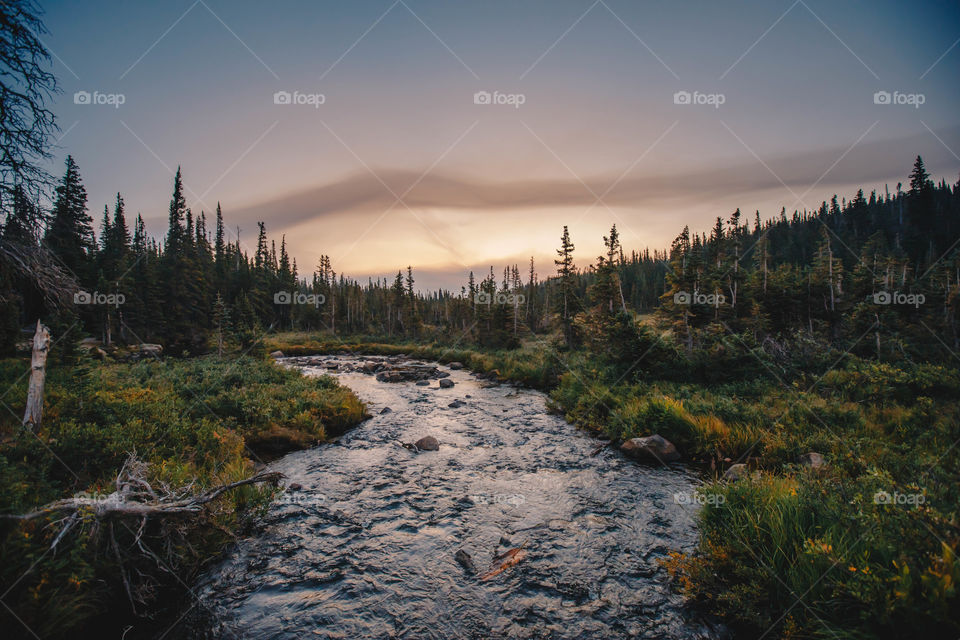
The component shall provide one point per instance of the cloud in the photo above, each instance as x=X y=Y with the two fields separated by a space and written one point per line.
x=372 y=195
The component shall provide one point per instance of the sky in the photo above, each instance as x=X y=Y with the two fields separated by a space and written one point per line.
x=455 y=135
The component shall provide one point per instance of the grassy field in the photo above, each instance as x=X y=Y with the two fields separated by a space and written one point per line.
x=862 y=547
x=204 y=421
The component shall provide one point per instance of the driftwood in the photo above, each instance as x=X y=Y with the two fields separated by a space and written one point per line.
x=136 y=498
x=34 y=411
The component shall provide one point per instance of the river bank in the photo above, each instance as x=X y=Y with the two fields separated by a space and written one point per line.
x=857 y=541
x=190 y=422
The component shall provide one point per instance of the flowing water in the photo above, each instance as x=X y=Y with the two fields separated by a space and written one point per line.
x=366 y=548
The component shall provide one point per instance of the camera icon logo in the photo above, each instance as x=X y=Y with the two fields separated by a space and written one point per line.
x=82 y=297
x=881 y=97
x=82 y=97
x=282 y=297
x=682 y=97
x=882 y=297
x=882 y=497
x=483 y=297
x=282 y=97
x=482 y=97
x=681 y=297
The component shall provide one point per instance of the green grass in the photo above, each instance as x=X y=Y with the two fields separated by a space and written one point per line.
x=861 y=569
x=193 y=420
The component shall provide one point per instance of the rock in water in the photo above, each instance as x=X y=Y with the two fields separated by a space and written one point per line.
x=276 y=354
x=456 y=404
x=385 y=411
x=456 y=366
x=446 y=384
x=653 y=448
x=423 y=383
x=465 y=561
x=428 y=443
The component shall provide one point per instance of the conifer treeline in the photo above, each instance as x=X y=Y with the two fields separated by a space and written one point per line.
x=817 y=272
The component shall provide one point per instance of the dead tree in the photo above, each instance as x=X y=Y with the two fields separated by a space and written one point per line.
x=38 y=373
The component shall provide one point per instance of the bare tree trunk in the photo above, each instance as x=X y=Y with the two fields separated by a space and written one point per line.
x=38 y=374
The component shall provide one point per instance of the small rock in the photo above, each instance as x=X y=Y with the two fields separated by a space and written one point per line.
x=505 y=542
x=423 y=383
x=385 y=411
x=735 y=472
x=651 y=448
x=98 y=353
x=465 y=561
x=428 y=443
x=294 y=486
x=456 y=404
x=468 y=396
x=813 y=460
x=446 y=384
x=456 y=366
x=276 y=354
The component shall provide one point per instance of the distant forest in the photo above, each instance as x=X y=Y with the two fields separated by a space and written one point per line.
x=882 y=269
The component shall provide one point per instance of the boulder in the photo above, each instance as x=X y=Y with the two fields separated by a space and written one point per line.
x=813 y=460
x=276 y=354
x=653 y=448
x=735 y=472
x=428 y=443
x=455 y=366
x=154 y=350
x=446 y=384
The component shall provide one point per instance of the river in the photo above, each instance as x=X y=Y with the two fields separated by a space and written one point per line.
x=366 y=547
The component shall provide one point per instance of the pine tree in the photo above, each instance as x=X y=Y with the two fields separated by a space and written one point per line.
x=70 y=234
x=565 y=275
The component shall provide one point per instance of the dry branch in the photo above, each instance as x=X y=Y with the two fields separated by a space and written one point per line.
x=136 y=498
